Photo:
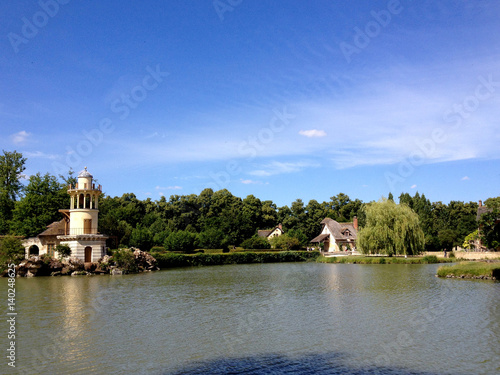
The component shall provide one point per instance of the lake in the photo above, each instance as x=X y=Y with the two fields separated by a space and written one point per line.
x=293 y=318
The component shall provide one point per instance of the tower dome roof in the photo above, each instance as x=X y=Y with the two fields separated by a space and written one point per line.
x=85 y=173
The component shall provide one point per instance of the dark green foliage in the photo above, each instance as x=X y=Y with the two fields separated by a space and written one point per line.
x=63 y=250
x=256 y=242
x=490 y=229
x=181 y=241
x=11 y=250
x=39 y=207
x=125 y=260
x=430 y=259
x=141 y=238
x=211 y=238
x=285 y=242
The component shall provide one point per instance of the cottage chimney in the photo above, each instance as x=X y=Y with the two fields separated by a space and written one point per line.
x=355 y=222
x=480 y=203
x=280 y=226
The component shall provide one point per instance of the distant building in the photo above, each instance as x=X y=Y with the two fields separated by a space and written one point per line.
x=337 y=236
x=270 y=233
x=78 y=228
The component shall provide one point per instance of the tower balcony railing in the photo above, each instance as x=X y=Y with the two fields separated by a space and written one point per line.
x=84 y=187
x=77 y=231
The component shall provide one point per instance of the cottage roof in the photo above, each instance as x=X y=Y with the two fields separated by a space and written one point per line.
x=340 y=231
x=54 y=229
x=264 y=232
x=482 y=210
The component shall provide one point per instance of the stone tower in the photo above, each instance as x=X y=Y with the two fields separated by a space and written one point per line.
x=82 y=235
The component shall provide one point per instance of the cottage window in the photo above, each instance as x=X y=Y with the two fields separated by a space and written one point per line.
x=51 y=250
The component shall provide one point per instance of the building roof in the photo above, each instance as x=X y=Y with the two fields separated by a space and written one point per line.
x=264 y=232
x=339 y=231
x=54 y=229
x=85 y=173
x=482 y=210
x=267 y=232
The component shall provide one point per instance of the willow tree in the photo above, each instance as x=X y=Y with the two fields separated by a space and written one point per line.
x=392 y=229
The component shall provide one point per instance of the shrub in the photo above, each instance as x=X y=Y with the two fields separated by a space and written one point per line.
x=256 y=242
x=430 y=259
x=181 y=241
x=211 y=238
x=451 y=254
x=285 y=242
x=158 y=249
x=63 y=250
x=11 y=250
x=124 y=259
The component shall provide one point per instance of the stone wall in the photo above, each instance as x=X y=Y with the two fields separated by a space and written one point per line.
x=468 y=255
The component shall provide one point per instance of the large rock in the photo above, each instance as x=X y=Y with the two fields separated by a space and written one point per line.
x=144 y=261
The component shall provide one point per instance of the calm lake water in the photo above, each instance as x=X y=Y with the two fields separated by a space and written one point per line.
x=293 y=318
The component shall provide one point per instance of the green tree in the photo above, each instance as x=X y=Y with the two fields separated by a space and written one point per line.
x=390 y=229
x=447 y=238
x=11 y=250
x=181 y=241
x=211 y=238
x=490 y=229
x=285 y=242
x=141 y=238
x=256 y=242
x=39 y=207
x=11 y=169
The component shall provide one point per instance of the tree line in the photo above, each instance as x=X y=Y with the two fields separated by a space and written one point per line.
x=211 y=219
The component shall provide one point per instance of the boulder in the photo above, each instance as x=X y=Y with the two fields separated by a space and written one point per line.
x=145 y=261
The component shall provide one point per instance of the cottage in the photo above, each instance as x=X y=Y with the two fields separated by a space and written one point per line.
x=270 y=233
x=78 y=228
x=337 y=236
x=481 y=210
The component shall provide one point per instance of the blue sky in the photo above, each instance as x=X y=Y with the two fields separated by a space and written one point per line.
x=280 y=100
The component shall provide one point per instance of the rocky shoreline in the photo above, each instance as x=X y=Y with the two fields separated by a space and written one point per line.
x=46 y=266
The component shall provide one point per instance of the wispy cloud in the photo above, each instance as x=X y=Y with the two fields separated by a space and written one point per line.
x=276 y=167
x=413 y=186
x=313 y=133
x=20 y=137
x=169 y=187
x=465 y=178
x=39 y=154
x=250 y=182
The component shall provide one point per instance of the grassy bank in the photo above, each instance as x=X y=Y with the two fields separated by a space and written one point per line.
x=357 y=259
x=170 y=260
x=471 y=270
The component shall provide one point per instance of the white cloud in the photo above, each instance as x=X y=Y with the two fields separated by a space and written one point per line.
x=465 y=178
x=20 y=137
x=277 y=167
x=168 y=188
x=39 y=154
x=313 y=133
x=413 y=187
x=250 y=182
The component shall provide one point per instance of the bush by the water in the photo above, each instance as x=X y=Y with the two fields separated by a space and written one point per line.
x=256 y=242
